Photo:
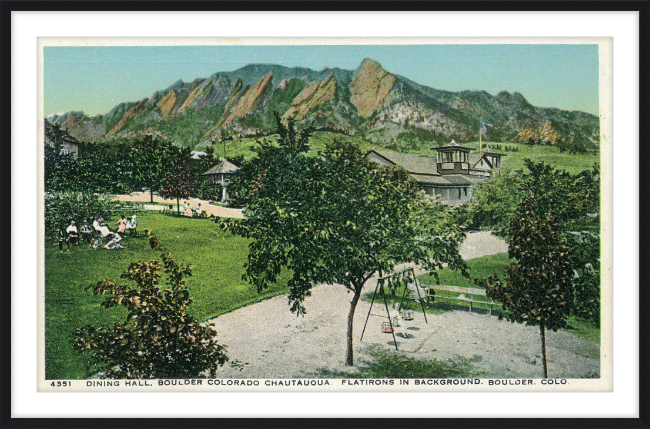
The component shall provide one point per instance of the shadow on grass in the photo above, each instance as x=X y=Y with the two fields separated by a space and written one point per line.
x=387 y=364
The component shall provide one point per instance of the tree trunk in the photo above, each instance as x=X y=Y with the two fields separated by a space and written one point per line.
x=178 y=206
x=353 y=306
x=542 y=332
x=151 y=193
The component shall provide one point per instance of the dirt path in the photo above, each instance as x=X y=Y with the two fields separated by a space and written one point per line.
x=265 y=340
x=144 y=197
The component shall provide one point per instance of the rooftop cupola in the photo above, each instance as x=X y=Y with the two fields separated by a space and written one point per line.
x=452 y=158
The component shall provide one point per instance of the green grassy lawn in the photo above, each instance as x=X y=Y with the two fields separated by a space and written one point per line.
x=571 y=162
x=584 y=329
x=478 y=268
x=216 y=286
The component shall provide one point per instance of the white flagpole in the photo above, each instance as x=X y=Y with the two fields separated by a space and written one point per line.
x=480 y=137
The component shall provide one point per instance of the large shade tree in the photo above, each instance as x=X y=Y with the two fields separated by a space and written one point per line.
x=178 y=183
x=538 y=287
x=152 y=159
x=336 y=218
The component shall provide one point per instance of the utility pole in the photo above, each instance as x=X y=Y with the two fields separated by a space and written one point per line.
x=481 y=131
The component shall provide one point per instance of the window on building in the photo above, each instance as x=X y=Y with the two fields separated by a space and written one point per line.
x=459 y=193
x=465 y=191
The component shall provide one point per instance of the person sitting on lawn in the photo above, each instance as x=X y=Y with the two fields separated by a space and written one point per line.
x=86 y=232
x=73 y=233
x=102 y=228
x=132 y=225
x=121 y=225
x=188 y=210
x=115 y=238
x=199 y=212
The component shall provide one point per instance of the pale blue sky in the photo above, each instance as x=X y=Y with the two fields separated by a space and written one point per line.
x=95 y=79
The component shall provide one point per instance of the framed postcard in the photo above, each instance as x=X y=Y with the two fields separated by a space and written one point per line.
x=299 y=217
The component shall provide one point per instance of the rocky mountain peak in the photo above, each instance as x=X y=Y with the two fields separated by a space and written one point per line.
x=371 y=87
x=314 y=95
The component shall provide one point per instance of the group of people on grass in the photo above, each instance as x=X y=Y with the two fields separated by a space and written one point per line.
x=191 y=211
x=98 y=233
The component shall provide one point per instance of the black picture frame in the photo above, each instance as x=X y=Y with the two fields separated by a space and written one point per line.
x=7 y=7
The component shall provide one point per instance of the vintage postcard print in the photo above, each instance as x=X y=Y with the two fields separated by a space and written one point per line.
x=325 y=215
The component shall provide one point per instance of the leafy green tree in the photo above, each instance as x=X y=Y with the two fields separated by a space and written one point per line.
x=584 y=250
x=495 y=201
x=63 y=207
x=538 y=288
x=107 y=167
x=575 y=199
x=248 y=178
x=178 y=183
x=290 y=138
x=59 y=169
x=158 y=339
x=153 y=158
x=337 y=218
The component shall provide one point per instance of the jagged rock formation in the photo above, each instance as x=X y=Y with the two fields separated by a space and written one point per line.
x=372 y=102
x=371 y=87
x=544 y=133
x=316 y=94
x=167 y=103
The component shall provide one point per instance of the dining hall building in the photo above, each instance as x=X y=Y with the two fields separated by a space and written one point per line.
x=451 y=175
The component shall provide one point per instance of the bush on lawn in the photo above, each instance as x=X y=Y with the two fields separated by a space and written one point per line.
x=158 y=339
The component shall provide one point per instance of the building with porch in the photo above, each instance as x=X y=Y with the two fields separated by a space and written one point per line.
x=451 y=175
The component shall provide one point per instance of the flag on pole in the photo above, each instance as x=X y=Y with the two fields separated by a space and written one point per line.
x=483 y=129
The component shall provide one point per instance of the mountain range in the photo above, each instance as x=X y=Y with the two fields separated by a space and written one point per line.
x=370 y=102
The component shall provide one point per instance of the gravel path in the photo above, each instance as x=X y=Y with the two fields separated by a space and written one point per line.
x=144 y=197
x=265 y=340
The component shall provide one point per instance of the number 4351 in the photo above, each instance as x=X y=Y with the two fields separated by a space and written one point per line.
x=61 y=384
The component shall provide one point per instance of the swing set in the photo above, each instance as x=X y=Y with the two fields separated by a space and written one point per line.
x=393 y=281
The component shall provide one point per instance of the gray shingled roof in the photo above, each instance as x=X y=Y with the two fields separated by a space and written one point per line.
x=415 y=165
x=222 y=167
x=431 y=180
x=448 y=180
x=474 y=158
x=457 y=179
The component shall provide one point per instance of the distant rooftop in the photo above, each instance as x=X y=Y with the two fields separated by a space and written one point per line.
x=411 y=163
x=452 y=145
x=223 y=166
